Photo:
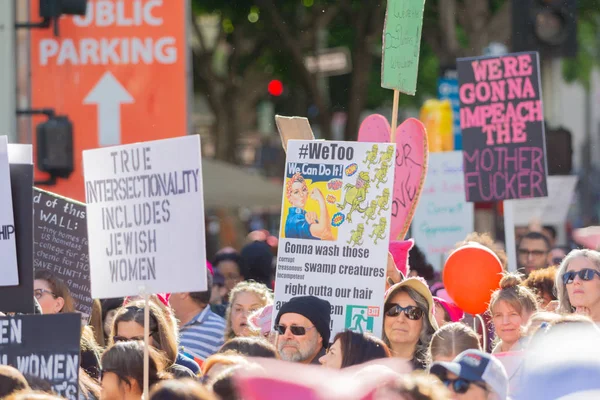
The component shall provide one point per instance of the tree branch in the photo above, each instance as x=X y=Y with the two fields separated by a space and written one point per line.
x=497 y=27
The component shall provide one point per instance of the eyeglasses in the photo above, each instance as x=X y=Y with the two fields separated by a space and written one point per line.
x=461 y=385
x=586 y=274
x=296 y=330
x=413 y=313
x=534 y=253
x=38 y=293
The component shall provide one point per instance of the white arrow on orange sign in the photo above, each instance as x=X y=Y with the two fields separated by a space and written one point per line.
x=109 y=94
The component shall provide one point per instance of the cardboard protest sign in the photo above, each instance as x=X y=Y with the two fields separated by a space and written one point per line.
x=44 y=346
x=9 y=275
x=19 y=298
x=551 y=210
x=61 y=245
x=335 y=224
x=410 y=165
x=501 y=119
x=146 y=218
x=401 y=45
x=443 y=216
x=293 y=128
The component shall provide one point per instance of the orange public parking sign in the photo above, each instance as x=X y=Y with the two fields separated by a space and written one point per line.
x=119 y=73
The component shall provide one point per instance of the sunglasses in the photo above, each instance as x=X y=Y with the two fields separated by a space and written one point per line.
x=586 y=274
x=296 y=330
x=413 y=313
x=461 y=385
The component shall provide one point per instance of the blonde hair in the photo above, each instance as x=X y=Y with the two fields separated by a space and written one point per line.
x=417 y=385
x=229 y=357
x=260 y=290
x=452 y=339
x=515 y=294
x=564 y=304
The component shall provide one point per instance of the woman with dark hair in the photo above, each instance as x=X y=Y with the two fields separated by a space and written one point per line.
x=109 y=310
x=129 y=325
x=123 y=370
x=182 y=389
x=351 y=348
x=52 y=293
x=250 y=347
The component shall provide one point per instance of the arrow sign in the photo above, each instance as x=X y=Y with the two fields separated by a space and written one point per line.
x=108 y=94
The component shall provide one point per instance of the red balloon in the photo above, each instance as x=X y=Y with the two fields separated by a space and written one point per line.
x=471 y=274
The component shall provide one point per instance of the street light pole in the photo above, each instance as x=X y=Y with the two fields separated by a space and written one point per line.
x=8 y=79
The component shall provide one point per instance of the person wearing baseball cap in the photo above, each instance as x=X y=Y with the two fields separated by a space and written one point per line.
x=473 y=375
x=303 y=325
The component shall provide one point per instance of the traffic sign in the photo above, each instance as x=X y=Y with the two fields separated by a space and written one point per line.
x=119 y=73
x=330 y=62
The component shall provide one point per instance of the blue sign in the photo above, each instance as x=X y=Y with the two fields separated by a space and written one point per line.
x=448 y=90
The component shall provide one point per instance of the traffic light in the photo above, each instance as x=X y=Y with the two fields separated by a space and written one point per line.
x=275 y=88
x=55 y=147
x=546 y=26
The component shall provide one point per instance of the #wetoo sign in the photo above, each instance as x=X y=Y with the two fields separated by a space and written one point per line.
x=443 y=216
x=46 y=347
x=401 y=45
x=61 y=245
x=502 y=123
x=9 y=273
x=335 y=225
x=145 y=217
x=120 y=73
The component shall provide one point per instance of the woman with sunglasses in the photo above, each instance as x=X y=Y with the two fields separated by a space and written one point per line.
x=352 y=348
x=511 y=306
x=128 y=325
x=578 y=284
x=408 y=321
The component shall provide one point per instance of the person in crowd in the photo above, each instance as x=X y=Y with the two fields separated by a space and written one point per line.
x=33 y=395
x=473 y=375
x=256 y=263
x=419 y=266
x=299 y=223
x=260 y=321
x=89 y=388
x=303 y=325
x=245 y=298
x=217 y=363
x=52 y=293
x=550 y=232
x=451 y=340
x=486 y=240
x=11 y=381
x=123 y=370
x=541 y=283
x=416 y=385
x=90 y=352
x=109 y=310
x=511 y=306
x=96 y=323
x=533 y=252
x=408 y=321
x=446 y=312
x=556 y=254
x=351 y=348
x=201 y=330
x=181 y=389
x=129 y=325
x=538 y=320
x=578 y=284
x=227 y=264
x=223 y=384
x=250 y=347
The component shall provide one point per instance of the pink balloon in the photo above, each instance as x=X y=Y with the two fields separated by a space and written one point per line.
x=411 y=165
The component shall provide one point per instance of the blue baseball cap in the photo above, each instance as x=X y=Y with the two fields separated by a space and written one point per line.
x=476 y=366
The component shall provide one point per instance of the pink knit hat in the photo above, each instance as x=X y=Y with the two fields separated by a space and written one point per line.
x=455 y=313
x=399 y=250
x=261 y=319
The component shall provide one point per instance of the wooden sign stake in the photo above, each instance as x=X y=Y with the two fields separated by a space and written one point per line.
x=144 y=293
x=394 y=116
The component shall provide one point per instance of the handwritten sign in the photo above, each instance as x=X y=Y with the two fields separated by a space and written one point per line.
x=410 y=165
x=551 y=210
x=61 y=245
x=401 y=45
x=501 y=119
x=335 y=225
x=443 y=216
x=44 y=346
x=8 y=243
x=146 y=218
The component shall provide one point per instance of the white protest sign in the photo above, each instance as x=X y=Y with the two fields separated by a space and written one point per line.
x=145 y=218
x=443 y=216
x=335 y=224
x=551 y=210
x=8 y=247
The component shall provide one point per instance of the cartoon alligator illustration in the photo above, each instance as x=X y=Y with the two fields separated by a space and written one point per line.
x=355 y=195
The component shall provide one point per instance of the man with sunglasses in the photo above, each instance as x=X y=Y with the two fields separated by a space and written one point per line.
x=473 y=375
x=303 y=325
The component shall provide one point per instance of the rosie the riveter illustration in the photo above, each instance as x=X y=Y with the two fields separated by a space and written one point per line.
x=299 y=223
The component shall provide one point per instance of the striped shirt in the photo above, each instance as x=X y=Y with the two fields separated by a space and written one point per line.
x=204 y=335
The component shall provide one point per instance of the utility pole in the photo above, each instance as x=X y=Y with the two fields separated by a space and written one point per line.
x=8 y=78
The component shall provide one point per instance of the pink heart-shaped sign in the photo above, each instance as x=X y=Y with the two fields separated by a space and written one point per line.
x=411 y=165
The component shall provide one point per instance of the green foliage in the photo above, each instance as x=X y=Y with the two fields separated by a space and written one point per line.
x=588 y=55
